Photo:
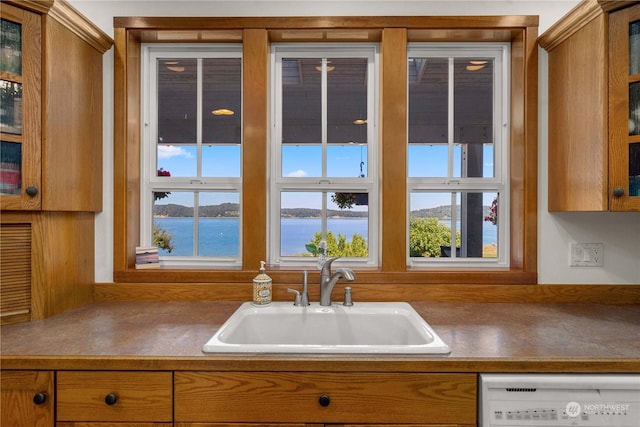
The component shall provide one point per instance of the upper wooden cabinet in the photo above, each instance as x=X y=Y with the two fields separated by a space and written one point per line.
x=51 y=120
x=594 y=108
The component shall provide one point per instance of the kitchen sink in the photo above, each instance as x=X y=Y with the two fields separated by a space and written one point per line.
x=365 y=327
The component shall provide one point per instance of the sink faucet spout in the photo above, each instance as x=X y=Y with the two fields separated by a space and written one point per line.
x=328 y=280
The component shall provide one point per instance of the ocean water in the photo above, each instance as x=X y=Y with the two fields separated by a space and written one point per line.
x=220 y=236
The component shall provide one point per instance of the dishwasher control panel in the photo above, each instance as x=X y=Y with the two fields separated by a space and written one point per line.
x=559 y=400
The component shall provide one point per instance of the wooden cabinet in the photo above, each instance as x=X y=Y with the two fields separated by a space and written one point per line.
x=20 y=116
x=250 y=425
x=26 y=398
x=111 y=396
x=199 y=399
x=624 y=108
x=49 y=268
x=591 y=163
x=301 y=425
x=109 y=424
x=325 y=397
x=51 y=154
x=52 y=137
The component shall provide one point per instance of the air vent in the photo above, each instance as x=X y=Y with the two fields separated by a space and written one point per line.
x=15 y=270
x=521 y=390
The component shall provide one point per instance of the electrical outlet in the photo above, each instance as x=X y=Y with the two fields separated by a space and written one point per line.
x=586 y=255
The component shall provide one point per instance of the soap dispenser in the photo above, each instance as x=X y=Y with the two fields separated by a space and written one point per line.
x=262 y=287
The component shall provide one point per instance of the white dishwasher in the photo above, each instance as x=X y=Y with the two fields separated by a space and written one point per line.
x=559 y=400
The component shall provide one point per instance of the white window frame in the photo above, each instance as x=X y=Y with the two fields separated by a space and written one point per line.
x=149 y=181
x=278 y=183
x=501 y=53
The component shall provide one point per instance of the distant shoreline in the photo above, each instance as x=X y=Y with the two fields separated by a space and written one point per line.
x=232 y=210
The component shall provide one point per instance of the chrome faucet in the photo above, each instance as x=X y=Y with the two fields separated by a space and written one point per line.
x=328 y=280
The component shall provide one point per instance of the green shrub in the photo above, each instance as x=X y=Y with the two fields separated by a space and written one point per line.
x=426 y=235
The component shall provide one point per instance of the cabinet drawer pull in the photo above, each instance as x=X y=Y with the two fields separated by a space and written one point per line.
x=31 y=191
x=111 y=399
x=39 y=398
x=324 y=400
x=618 y=192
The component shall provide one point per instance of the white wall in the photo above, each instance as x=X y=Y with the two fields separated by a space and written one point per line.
x=620 y=233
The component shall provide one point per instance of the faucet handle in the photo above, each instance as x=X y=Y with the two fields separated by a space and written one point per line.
x=348 y=300
x=326 y=267
x=298 y=299
x=304 y=297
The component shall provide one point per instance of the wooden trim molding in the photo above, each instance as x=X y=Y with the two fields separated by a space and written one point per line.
x=601 y=294
x=38 y=6
x=393 y=152
x=326 y=22
x=73 y=20
x=613 y=5
x=67 y=15
x=254 y=144
x=394 y=33
x=585 y=12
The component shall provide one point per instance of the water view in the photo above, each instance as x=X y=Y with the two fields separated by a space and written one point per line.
x=221 y=235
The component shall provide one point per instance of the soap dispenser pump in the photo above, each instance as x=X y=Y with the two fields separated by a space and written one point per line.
x=262 y=287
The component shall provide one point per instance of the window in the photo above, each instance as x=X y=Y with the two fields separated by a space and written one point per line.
x=191 y=155
x=324 y=191
x=270 y=177
x=458 y=178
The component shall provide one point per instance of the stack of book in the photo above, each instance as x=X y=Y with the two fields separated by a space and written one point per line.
x=147 y=257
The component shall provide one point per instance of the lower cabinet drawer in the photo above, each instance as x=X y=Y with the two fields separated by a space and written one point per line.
x=315 y=397
x=110 y=424
x=114 y=396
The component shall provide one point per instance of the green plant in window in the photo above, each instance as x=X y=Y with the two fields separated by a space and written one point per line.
x=347 y=200
x=338 y=246
x=344 y=200
x=426 y=235
x=162 y=238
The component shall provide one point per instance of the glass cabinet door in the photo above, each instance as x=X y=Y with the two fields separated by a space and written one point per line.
x=20 y=65
x=11 y=106
x=624 y=109
x=634 y=109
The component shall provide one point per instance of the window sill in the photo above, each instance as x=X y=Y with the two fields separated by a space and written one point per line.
x=365 y=276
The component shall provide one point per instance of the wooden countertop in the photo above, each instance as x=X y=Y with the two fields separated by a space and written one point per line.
x=484 y=337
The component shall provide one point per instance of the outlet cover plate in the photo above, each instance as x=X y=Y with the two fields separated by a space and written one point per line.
x=586 y=255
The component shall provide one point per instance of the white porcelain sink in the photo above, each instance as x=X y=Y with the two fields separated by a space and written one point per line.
x=365 y=327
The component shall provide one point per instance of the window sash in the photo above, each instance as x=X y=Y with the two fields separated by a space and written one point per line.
x=280 y=183
x=499 y=183
x=150 y=182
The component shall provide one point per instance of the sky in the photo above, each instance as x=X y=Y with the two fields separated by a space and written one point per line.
x=305 y=161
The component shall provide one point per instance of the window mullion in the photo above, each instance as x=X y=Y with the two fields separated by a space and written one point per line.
x=199 y=110
x=148 y=155
x=196 y=222
x=454 y=223
x=450 y=118
x=323 y=109
x=324 y=119
x=323 y=217
x=196 y=194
